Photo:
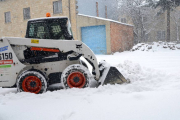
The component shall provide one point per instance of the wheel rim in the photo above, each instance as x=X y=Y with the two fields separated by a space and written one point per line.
x=76 y=79
x=32 y=84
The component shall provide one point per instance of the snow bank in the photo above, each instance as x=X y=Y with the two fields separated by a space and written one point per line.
x=100 y=18
x=147 y=79
x=156 y=46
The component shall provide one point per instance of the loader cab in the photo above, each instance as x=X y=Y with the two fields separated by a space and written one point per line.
x=56 y=28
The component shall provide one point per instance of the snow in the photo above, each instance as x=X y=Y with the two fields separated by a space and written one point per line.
x=100 y=18
x=47 y=18
x=156 y=46
x=105 y=67
x=153 y=94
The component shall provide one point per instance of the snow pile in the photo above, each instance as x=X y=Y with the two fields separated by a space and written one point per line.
x=147 y=79
x=156 y=46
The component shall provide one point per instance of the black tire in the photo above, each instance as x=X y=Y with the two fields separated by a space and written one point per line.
x=76 y=76
x=32 y=81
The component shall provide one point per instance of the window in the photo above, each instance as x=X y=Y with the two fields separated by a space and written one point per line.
x=161 y=35
x=7 y=17
x=123 y=20
x=42 y=30
x=57 y=7
x=26 y=13
x=49 y=29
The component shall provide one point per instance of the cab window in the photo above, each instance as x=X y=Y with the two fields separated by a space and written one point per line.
x=57 y=29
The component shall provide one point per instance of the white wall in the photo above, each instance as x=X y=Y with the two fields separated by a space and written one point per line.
x=88 y=7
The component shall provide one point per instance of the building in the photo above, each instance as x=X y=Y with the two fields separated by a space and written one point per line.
x=89 y=19
x=99 y=8
x=157 y=27
x=160 y=30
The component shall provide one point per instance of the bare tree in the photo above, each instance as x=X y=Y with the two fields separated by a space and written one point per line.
x=165 y=5
x=143 y=17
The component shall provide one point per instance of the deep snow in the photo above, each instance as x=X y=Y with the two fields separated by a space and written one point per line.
x=153 y=94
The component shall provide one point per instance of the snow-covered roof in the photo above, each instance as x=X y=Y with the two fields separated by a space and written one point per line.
x=100 y=18
x=47 y=18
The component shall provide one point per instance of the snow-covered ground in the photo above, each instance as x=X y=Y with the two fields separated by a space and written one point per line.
x=153 y=94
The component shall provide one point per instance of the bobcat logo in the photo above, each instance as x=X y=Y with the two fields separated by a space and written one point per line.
x=79 y=46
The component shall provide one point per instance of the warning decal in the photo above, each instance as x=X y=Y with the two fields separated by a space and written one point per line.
x=35 y=41
x=5 y=62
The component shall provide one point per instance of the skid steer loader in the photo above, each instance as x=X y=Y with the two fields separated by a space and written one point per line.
x=49 y=55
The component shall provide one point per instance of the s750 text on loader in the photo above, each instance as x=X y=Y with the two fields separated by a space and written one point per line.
x=48 y=55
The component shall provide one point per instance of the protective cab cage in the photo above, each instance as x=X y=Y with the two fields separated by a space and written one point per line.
x=49 y=29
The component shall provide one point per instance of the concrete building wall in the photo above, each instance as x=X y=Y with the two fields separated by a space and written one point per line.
x=38 y=8
x=162 y=26
x=128 y=19
x=88 y=7
x=159 y=26
x=121 y=37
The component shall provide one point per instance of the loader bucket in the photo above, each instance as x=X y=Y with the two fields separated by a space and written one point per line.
x=114 y=77
x=111 y=75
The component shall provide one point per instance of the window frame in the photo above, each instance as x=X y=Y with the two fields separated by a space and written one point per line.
x=26 y=17
x=59 y=8
x=7 y=18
